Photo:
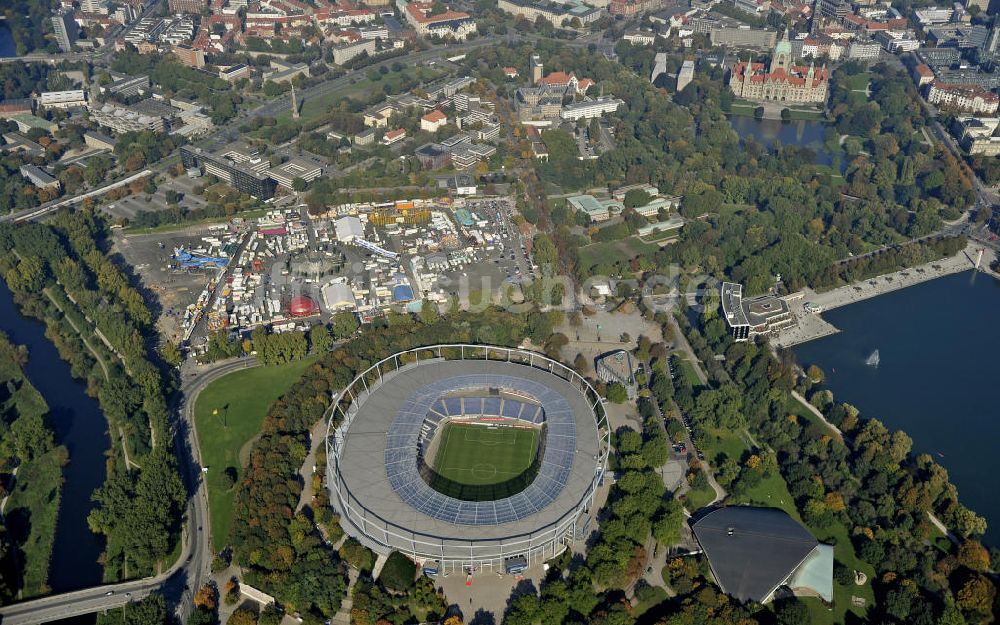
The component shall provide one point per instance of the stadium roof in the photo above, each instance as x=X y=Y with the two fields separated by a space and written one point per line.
x=753 y=551
x=378 y=459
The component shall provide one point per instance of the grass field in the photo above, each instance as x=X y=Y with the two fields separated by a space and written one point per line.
x=476 y=455
x=242 y=399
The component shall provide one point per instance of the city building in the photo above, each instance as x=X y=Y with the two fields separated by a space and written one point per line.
x=640 y=37
x=432 y=121
x=685 y=75
x=975 y=134
x=559 y=14
x=836 y=9
x=282 y=71
x=537 y=69
x=346 y=52
x=98 y=140
x=963 y=98
x=597 y=210
x=781 y=81
x=753 y=552
x=39 y=177
x=743 y=37
x=864 y=50
x=922 y=75
x=65 y=29
x=365 y=137
x=433 y=156
x=127 y=86
x=394 y=136
x=426 y=22
x=618 y=367
x=235 y=72
x=237 y=165
x=749 y=318
x=588 y=109
x=190 y=56
x=63 y=99
x=122 y=119
x=187 y=6
x=286 y=173
x=629 y=8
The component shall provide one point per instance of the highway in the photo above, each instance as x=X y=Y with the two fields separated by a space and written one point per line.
x=180 y=581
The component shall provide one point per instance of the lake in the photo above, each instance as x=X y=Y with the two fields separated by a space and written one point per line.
x=6 y=41
x=80 y=425
x=937 y=344
x=807 y=134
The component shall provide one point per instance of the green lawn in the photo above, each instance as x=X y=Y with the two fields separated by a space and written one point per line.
x=610 y=252
x=696 y=499
x=241 y=400
x=477 y=455
x=687 y=370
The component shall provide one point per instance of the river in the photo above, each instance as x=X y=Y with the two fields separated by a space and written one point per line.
x=80 y=425
x=937 y=344
x=806 y=134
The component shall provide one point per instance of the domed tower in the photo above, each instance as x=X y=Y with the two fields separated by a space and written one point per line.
x=782 y=57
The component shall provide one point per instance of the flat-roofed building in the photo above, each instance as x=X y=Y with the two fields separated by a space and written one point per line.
x=344 y=53
x=286 y=173
x=238 y=165
x=596 y=209
x=589 y=109
x=63 y=99
x=749 y=318
x=235 y=72
x=976 y=134
x=98 y=140
x=65 y=29
x=39 y=177
x=618 y=367
x=128 y=86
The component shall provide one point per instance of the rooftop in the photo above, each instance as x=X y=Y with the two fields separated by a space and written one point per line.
x=753 y=551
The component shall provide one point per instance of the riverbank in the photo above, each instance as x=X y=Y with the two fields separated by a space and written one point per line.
x=813 y=326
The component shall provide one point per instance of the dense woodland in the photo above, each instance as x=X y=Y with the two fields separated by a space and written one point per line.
x=60 y=273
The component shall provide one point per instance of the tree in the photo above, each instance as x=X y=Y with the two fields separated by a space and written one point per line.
x=320 y=340
x=299 y=184
x=975 y=598
x=815 y=374
x=616 y=393
x=581 y=364
x=243 y=616
x=150 y=611
x=635 y=198
x=207 y=597
x=344 y=325
x=398 y=573
x=667 y=527
x=791 y=611
x=973 y=555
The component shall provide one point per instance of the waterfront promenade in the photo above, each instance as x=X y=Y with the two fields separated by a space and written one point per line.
x=813 y=326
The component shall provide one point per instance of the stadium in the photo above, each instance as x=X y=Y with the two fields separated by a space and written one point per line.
x=467 y=457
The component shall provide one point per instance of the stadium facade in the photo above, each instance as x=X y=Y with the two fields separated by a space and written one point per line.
x=381 y=424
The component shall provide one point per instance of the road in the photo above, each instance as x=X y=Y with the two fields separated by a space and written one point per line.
x=31 y=214
x=180 y=581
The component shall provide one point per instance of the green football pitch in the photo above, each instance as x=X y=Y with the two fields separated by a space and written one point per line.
x=477 y=455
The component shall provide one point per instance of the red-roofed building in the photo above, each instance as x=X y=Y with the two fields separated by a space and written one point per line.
x=394 y=136
x=432 y=121
x=447 y=25
x=510 y=72
x=781 y=81
x=963 y=98
x=923 y=75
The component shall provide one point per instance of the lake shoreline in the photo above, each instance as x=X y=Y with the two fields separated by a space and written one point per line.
x=813 y=326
